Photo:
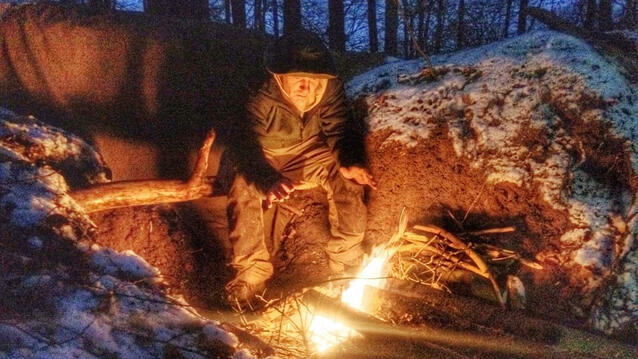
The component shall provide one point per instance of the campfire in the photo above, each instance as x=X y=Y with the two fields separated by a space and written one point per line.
x=327 y=332
x=331 y=313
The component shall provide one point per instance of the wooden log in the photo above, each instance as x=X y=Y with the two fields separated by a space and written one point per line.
x=449 y=342
x=542 y=339
x=138 y=193
x=146 y=192
x=423 y=300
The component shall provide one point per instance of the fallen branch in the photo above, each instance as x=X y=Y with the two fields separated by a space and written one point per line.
x=456 y=243
x=422 y=299
x=622 y=50
x=146 y=192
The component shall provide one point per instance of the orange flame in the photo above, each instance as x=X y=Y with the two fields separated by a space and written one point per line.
x=328 y=332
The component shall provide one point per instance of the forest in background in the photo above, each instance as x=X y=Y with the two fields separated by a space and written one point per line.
x=392 y=27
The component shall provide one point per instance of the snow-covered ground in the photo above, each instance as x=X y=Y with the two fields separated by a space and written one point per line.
x=553 y=85
x=63 y=297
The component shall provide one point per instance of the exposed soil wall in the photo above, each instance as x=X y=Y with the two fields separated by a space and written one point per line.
x=438 y=187
x=147 y=81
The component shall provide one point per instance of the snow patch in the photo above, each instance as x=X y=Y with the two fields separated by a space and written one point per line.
x=111 y=262
x=80 y=300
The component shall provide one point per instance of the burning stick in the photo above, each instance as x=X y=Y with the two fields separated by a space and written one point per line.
x=436 y=339
x=145 y=192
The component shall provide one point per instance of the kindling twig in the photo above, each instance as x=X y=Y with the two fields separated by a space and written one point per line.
x=469 y=209
x=455 y=243
x=449 y=259
x=493 y=231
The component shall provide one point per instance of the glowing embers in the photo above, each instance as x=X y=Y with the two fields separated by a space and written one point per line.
x=325 y=333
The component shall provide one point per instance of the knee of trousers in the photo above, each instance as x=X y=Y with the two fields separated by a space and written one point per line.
x=348 y=212
x=345 y=250
x=245 y=224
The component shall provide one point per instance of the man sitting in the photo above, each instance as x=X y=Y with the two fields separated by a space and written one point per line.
x=298 y=120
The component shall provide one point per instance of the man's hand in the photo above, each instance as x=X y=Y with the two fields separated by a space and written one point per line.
x=279 y=191
x=359 y=175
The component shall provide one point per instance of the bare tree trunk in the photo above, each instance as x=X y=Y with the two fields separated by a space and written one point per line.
x=192 y=9
x=391 y=25
x=257 y=10
x=522 y=17
x=336 y=27
x=426 y=31
x=227 y=16
x=460 y=31
x=406 y=35
x=604 y=15
x=440 y=19
x=292 y=16
x=629 y=19
x=275 y=17
x=264 y=8
x=145 y=192
x=410 y=29
x=590 y=15
x=508 y=16
x=239 y=13
x=372 y=26
x=420 y=19
x=103 y=5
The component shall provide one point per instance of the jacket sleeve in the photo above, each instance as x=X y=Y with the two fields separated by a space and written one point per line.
x=247 y=152
x=338 y=127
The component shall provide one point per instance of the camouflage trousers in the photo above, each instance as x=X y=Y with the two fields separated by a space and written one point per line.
x=248 y=221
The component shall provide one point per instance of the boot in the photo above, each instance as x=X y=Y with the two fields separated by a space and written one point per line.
x=241 y=295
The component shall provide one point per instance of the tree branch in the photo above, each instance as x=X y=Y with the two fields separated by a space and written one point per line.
x=613 y=45
x=146 y=192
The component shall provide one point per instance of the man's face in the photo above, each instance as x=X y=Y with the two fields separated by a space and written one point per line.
x=302 y=90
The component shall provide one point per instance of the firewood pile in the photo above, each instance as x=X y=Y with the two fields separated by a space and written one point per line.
x=432 y=256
